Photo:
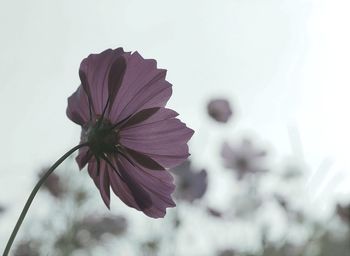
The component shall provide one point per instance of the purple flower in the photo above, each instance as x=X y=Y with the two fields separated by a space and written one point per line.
x=219 y=110
x=191 y=184
x=132 y=138
x=243 y=158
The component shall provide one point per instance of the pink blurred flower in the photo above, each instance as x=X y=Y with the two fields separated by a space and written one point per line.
x=191 y=184
x=220 y=110
x=132 y=138
x=243 y=158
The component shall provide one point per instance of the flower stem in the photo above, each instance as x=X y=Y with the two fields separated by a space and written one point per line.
x=32 y=195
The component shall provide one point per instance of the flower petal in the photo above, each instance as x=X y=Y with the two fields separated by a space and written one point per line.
x=100 y=176
x=144 y=160
x=83 y=157
x=140 y=116
x=104 y=184
x=94 y=73
x=162 y=137
x=156 y=186
x=144 y=86
x=78 y=107
x=115 y=78
x=142 y=198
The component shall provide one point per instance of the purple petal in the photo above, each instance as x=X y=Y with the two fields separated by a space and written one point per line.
x=163 y=138
x=83 y=157
x=144 y=160
x=115 y=78
x=141 y=196
x=104 y=184
x=78 y=107
x=93 y=172
x=140 y=117
x=144 y=86
x=121 y=189
x=94 y=73
x=157 y=185
x=101 y=179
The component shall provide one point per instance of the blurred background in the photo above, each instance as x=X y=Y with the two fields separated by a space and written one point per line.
x=264 y=84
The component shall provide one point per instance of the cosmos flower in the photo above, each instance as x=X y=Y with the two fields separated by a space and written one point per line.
x=219 y=110
x=132 y=138
x=243 y=158
x=191 y=184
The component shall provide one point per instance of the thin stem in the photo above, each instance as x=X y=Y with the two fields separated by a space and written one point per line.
x=32 y=195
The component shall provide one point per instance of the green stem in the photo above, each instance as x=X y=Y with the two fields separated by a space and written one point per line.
x=32 y=195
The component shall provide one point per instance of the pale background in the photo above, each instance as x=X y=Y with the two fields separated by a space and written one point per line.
x=284 y=65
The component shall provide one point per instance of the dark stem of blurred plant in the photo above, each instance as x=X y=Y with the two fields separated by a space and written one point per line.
x=32 y=195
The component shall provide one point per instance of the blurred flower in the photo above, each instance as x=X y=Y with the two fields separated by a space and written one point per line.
x=219 y=110
x=71 y=240
x=132 y=138
x=98 y=226
x=243 y=158
x=27 y=248
x=151 y=247
x=53 y=184
x=344 y=212
x=80 y=196
x=191 y=184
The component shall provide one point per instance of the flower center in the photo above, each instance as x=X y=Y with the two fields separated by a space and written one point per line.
x=102 y=138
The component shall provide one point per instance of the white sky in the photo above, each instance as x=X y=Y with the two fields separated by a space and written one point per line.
x=284 y=64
